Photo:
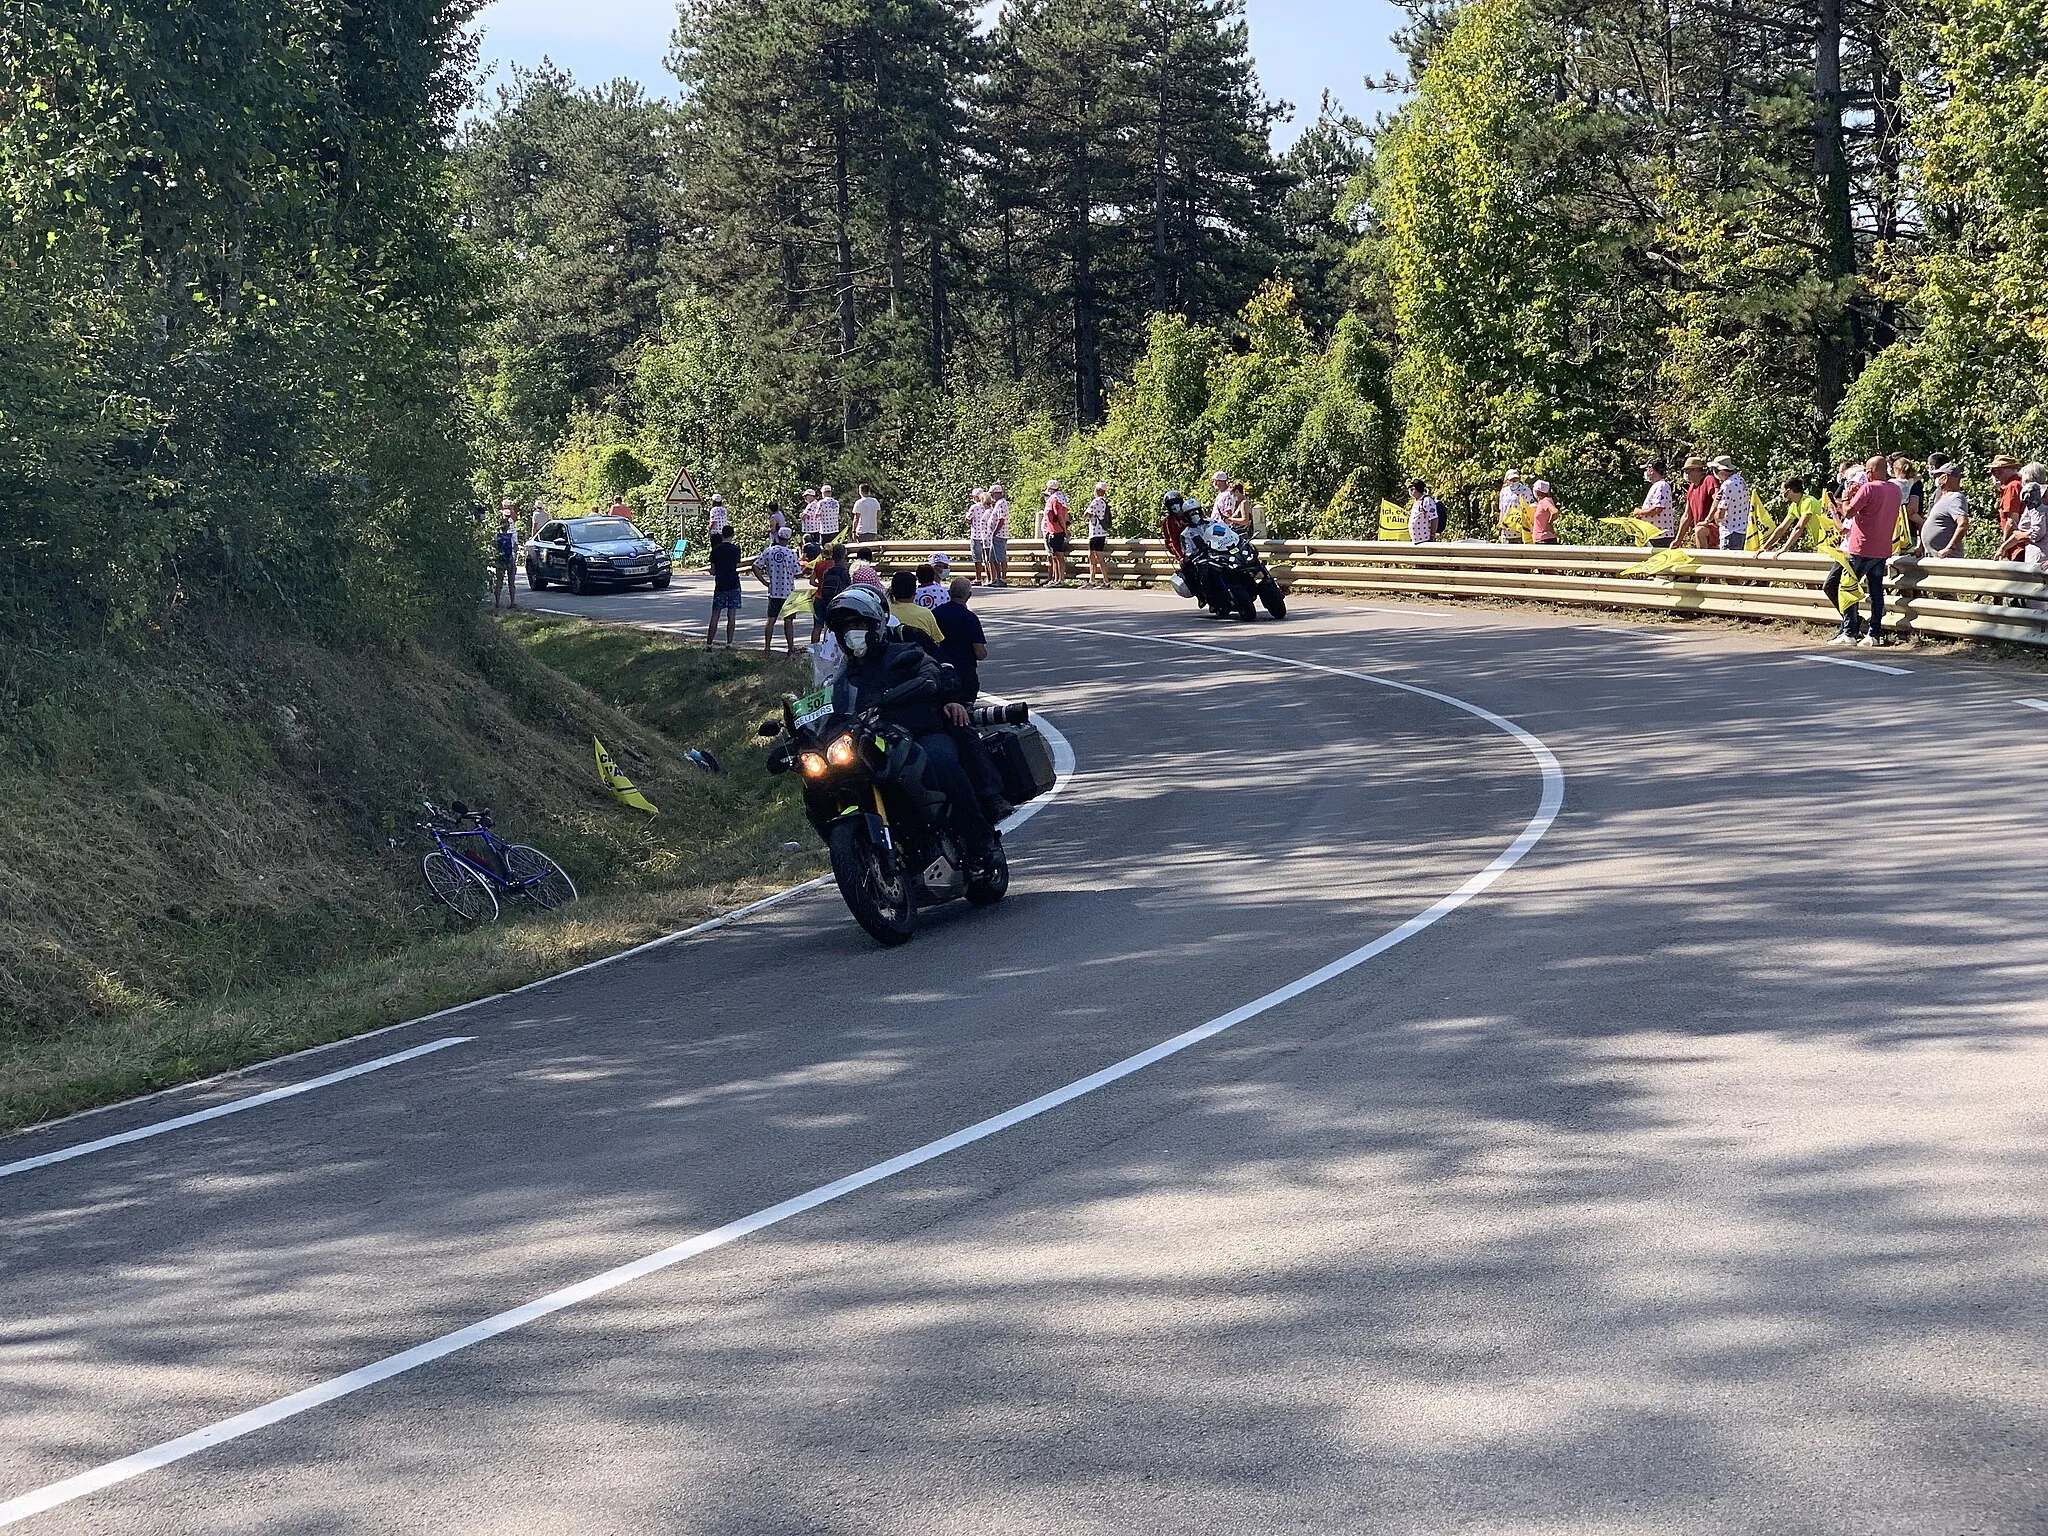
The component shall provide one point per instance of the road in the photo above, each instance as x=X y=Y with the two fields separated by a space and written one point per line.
x=1686 y=1177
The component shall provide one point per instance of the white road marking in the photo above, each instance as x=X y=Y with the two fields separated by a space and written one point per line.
x=254 y=1101
x=38 y=1501
x=2040 y=704
x=1063 y=769
x=1864 y=666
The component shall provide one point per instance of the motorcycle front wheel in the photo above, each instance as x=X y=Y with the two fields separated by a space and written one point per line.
x=1271 y=595
x=887 y=909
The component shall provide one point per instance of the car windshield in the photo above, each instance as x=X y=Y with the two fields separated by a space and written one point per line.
x=603 y=530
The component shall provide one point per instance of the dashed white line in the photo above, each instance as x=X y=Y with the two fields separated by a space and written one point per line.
x=254 y=1101
x=1861 y=666
x=37 y=1501
x=2040 y=704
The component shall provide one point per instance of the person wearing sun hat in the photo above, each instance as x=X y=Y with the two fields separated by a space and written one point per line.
x=2005 y=478
x=1701 y=489
x=1731 y=502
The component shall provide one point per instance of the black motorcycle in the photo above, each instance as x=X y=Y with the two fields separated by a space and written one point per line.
x=1230 y=580
x=890 y=834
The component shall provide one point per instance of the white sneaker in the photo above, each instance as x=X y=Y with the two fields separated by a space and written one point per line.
x=1868 y=642
x=1840 y=637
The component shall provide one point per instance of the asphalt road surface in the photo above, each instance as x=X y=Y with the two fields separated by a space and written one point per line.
x=1687 y=1177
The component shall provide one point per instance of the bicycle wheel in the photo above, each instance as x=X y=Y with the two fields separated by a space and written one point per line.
x=544 y=881
x=464 y=892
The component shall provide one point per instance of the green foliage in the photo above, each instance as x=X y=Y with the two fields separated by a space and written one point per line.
x=229 y=309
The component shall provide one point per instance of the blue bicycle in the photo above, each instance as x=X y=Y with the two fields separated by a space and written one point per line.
x=470 y=877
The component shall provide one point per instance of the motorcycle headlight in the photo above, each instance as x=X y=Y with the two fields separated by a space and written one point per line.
x=841 y=753
x=812 y=764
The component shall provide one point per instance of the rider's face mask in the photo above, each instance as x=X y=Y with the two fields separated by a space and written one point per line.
x=856 y=642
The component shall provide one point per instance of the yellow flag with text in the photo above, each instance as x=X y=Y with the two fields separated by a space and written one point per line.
x=1393 y=522
x=1665 y=562
x=1851 y=591
x=1639 y=529
x=1762 y=526
x=621 y=787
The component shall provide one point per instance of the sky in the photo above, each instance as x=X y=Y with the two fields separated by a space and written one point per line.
x=1302 y=46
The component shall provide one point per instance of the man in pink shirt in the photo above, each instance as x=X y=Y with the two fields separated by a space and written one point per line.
x=1871 y=521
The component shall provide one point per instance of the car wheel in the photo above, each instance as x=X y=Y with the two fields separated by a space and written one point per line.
x=534 y=580
x=660 y=581
x=579 y=584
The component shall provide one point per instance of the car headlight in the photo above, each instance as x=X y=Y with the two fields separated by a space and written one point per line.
x=812 y=765
x=840 y=753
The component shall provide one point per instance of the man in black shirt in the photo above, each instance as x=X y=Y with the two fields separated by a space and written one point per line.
x=725 y=586
x=965 y=645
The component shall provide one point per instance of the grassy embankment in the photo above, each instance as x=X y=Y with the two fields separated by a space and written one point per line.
x=209 y=855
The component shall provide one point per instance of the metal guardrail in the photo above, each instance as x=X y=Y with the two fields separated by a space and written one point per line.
x=1960 y=599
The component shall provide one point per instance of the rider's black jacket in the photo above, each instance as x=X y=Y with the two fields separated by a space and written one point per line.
x=888 y=664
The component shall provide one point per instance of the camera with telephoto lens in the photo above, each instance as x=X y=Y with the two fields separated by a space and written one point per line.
x=1000 y=714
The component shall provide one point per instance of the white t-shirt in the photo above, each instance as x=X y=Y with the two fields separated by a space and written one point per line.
x=1734 y=504
x=1098 y=518
x=933 y=595
x=828 y=514
x=718 y=516
x=1225 y=505
x=1657 y=506
x=867 y=516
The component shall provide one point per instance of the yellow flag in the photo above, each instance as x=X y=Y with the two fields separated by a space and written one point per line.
x=621 y=787
x=1762 y=526
x=1640 y=530
x=1393 y=522
x=1519 y=519
x=1665 y=562
x=1902 y=535
x=1851 y=591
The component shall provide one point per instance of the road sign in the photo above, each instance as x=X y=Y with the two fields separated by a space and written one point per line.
x=682 y=491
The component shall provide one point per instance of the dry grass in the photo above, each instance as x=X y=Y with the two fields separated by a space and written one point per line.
x=211 y=857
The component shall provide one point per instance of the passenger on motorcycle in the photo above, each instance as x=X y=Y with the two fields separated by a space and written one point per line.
x=876 y=665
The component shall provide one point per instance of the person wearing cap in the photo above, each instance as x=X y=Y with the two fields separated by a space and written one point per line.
x=2005 y=475
x=979 y=535
x=1222 y=504
x=777 y=568
x=1053 y=521
x=1948 y=519
x=932 y=581
x=1098 y=536
x=1543 y=515
x=828 y=514
x=1697 y=525
x=1731 y=503
x=812 y=522
x=1514 y=498
x=717 y=519
x=1656 y=508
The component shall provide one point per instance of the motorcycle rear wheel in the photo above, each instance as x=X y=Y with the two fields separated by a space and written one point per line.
x=888 y=911
x=986 y=893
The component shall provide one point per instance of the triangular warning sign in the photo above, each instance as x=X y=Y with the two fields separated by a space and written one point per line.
x=682 y=491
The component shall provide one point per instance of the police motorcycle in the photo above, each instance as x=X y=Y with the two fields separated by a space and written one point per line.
x=890 y=832
x=1221 y=570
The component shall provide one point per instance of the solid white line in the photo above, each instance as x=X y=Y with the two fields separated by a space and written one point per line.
x=254 y=1101
x=1864 y=666
x=2040 y=704
x=49 y=1497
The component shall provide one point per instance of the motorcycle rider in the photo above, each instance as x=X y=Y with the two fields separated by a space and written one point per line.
x=876 y=665
x=1180 y=518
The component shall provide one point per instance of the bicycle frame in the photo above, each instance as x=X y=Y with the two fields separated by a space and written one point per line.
x=477 y=867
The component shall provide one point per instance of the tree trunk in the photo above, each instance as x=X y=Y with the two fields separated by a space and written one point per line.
x=1013 y=339
x=842 y=222
x=1831 y=182
x=1162 y=294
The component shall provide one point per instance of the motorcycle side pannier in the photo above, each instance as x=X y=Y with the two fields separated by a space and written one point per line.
x=1023 y=760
